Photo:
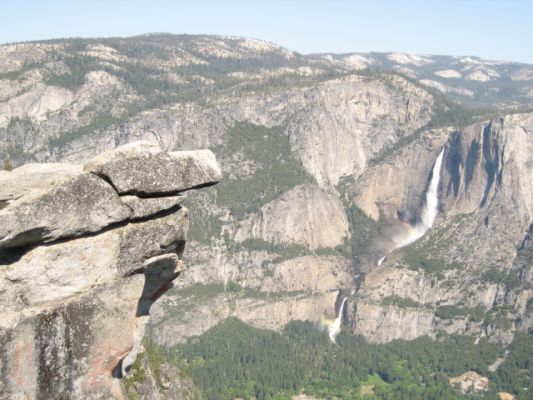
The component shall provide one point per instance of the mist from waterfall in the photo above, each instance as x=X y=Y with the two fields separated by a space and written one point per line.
x=429 y=212
x=335 y=327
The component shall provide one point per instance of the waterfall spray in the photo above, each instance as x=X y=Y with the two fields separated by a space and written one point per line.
x=335 y=328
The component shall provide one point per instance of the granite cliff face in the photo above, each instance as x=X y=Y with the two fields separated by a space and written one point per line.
x=84 y=253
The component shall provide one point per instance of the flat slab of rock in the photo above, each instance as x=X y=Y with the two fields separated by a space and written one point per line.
x=64 y=206
x=143 y=207
x=143 y=168
x=18 y=182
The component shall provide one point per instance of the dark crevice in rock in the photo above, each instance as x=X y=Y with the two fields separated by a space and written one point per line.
x=491 y=156
x=471 y=161
x=147 y=195
x=499 y=178
x=160 y=214
x=352 y=316
x=10 y=255
x=148 y=207
x=117 y=371
x=454 y=163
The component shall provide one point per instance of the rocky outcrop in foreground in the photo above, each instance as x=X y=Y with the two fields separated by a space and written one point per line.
x=84 y=252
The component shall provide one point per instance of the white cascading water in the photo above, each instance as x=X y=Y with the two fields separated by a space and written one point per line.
x=335 y=327
x=429 y=210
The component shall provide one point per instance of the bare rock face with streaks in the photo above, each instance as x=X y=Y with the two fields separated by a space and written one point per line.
x=294 y=216
x=80 y=267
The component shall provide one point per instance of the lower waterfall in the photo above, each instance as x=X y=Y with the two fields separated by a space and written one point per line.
x=335 y=327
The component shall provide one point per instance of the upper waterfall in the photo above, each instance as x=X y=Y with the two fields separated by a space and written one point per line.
x=429 y=211
x=431 y=208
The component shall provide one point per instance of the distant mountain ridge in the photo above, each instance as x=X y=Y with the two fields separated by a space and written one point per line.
x=471 y=80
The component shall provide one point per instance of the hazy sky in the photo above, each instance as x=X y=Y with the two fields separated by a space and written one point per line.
x=495 y=29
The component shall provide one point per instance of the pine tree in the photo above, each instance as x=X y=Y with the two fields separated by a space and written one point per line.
x=7 y=164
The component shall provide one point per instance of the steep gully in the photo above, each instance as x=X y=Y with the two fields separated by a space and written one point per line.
x=428 y=215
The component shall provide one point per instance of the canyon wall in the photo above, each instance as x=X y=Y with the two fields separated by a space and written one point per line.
x=470 y=273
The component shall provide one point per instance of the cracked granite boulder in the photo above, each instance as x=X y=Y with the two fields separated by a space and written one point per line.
x=62 y=206
x=157 y=171
x=81 y=265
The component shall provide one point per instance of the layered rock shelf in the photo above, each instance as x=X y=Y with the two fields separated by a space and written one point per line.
x=84 y=252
